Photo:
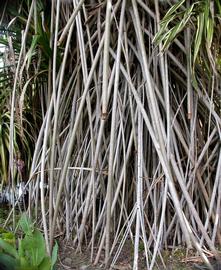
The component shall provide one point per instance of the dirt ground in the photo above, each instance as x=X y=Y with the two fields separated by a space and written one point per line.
x=69 y=260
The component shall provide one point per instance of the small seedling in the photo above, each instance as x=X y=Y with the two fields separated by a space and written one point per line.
x=30 y=252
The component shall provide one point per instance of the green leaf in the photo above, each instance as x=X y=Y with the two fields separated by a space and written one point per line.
x=21 y=250
x=209 y=32
x=34 y=246
x=169 y=17
x=160 y=35
x=219 y=6
x=30 y=53
x=9 y=237
x=173 y=9
x=54 y=255
x=26 y=224
x=24 y=264
x=8 y=262
x=199 y=34
x=3 y=41
x=167 y=37
x=2 y=230
x=45 y=264
x=8 y=248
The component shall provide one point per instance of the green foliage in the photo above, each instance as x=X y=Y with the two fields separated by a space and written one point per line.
x=203 y=18
x=22 y=140
x=8 y=262
x=31 y=251
x=4 y=143
x=8 y=237
x=30 y=83
x=26 y=225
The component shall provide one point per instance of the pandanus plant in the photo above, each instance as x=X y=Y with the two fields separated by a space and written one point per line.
x=19 y=126
x=129 y=137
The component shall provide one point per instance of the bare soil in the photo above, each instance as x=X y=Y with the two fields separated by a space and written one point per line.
x=70 y=260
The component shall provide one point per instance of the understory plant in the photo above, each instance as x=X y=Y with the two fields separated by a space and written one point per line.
x=127 y=144
x=27 y=252
x=202 y=18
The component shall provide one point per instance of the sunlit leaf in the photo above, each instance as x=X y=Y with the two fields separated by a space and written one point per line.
x=26 y=224
x=7 y=248
x=199 y=34
x=54 y=255
x=209 y=31
x=34 y=245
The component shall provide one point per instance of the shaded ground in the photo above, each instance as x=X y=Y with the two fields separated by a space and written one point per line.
x=69 y=260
